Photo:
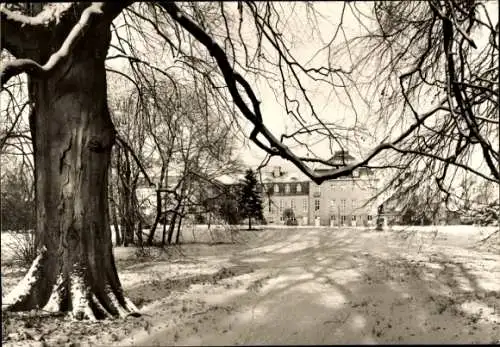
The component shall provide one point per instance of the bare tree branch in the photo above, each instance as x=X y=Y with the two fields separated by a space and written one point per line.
x=96 y=10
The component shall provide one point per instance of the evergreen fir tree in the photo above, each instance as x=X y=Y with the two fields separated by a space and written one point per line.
x=250 y=201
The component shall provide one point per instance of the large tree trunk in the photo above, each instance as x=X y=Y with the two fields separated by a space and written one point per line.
x=73 y=136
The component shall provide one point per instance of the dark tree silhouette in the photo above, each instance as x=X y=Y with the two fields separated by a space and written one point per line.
x=289 y=217
x=228 y=209
x=250 y=201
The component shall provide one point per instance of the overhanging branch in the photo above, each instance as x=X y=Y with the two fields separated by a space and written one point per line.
x=126 y=146
x=18 y=66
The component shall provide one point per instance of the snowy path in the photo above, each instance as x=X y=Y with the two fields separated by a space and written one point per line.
x=324 y=286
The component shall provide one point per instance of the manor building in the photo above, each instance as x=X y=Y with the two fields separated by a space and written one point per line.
x=345 y=201
x=282 y=191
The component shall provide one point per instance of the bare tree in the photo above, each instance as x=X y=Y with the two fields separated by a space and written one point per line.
x=231 y=47
x=436 y=83
x=132 y=157
x=72 y=138
x=202 y=150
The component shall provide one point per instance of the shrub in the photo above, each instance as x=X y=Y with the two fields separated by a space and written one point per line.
x=18 y=205
x=199 y=218
x=143 y=252
x=22 y=248
x=289 y=217
x=229 y=212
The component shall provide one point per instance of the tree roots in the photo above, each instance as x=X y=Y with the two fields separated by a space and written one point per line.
x=71 y=293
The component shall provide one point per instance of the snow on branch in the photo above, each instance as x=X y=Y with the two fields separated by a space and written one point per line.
x=51 y=12
x=31 y=67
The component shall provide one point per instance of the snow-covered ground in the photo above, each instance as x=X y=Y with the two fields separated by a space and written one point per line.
x=299 y=286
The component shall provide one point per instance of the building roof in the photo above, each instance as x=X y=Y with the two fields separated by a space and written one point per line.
x=268 y=175
x=227 y=180
x=277 y=175
x=341 y=157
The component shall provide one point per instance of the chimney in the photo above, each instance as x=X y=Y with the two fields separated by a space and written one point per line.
x=277 y=171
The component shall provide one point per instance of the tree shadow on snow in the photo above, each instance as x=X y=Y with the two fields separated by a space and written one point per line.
x=351 y=289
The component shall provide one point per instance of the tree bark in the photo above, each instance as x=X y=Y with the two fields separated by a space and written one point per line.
x=118 y=239
x=113 y=207
x=164 y=234
x=139 y=233
x=177 y=236
x=152 y=231
x=171 y=228
x=157 y=218
x=75 y=270
x=128 y=214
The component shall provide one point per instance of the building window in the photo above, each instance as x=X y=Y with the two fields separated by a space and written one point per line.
x=270 y=206
x=343 y=202
x=304 y=205
x=276 y=188
x=292 y=203
x=332 y=217
x=353 y=218
x=342 y=218
x=369 y=218
x=316 y=205
x=332 y=204
x=281 y=205
x=318 y=189
x=287 y=188
x=299 y=188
